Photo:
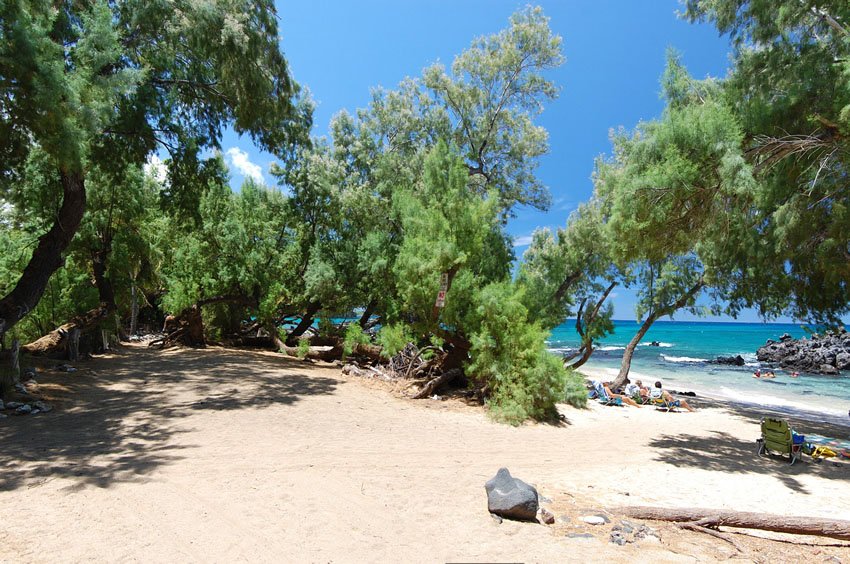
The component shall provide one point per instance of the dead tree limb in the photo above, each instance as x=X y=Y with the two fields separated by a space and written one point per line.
x=712 y=518
x=711 y=532
x=434 y=383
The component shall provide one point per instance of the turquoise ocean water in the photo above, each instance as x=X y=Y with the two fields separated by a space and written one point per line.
x=682 y=363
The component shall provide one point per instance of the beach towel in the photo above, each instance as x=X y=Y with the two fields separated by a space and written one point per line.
x=837 y=446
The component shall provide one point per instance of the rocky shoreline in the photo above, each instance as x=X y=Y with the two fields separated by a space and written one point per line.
x=828 y=353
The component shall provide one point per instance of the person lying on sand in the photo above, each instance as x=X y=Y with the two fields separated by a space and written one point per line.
x=659 y=393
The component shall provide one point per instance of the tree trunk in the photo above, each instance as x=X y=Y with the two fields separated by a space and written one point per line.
x=626 y=363
x=585 y=356
x=833 y=528
x=587 y=345
x=367 y=314
x=56 y=343
x=47 y=256
x=565 y=286
x=134 y=309
x=305 y=323
x=74 y=344
x=625 y=366
x=105 y=291
x=11 y=375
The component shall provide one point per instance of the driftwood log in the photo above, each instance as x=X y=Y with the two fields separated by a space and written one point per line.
x=713 y=518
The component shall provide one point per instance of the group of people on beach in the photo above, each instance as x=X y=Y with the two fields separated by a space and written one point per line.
x=768 y=374
x=636 y=394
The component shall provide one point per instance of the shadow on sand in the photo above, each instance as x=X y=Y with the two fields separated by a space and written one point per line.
x=723 y=452
x=121 y=413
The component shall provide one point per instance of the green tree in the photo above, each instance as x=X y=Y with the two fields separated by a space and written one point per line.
x=119 y=79
x=789 y=87
x=676 y=196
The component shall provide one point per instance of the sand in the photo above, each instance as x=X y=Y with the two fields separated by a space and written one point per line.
x=217 y=455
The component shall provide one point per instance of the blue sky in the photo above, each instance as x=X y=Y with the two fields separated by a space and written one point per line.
x=615 y=54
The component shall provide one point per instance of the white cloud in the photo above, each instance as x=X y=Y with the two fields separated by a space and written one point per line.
x=240 y=160
x=156 y=168
x=523 y=240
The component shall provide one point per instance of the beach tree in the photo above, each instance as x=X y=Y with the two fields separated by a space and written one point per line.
x=570 y=267
x=676 y=195
x=486 y=104
x=455 y=294
x=97 y=84
x=491 y=95
x=238 y=260
x=789 y=87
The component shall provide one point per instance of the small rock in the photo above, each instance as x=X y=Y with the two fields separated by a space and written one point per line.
x=20 y=388
x=35 y=412
x=3 y=416
x=43 y=407
x=618 y=538
x=579 y=536
x=24 y=409
x=2 y=407
x=828 y=369
x=594 y=519
x=496 y=518
x=13 y=405
x=564 y=519
x=627 y=526
x=545 y=517
x=510 y=497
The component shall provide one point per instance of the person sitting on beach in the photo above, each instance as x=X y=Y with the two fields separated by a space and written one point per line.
x=660 y=394
x=630 y=389
x=643 y=392
x=624 y=399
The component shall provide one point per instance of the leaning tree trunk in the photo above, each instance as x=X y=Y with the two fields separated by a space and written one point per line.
x=312 y=309
x=707 y=518
x=587 y=341
x=626 y=364
x=56 y=343
x=47 y=256
x=367 y=314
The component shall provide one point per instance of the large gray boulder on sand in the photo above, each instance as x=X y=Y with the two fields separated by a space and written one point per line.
x=510 y=497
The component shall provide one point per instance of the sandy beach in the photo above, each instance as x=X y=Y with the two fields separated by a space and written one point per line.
x=221 y=455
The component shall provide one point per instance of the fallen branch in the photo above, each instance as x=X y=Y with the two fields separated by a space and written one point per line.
x=712 y=518
x=435 y=383
x=700 y=528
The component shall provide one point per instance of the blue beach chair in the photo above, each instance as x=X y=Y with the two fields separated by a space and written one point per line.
x=603 y=396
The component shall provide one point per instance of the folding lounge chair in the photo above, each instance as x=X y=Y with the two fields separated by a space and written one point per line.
x=666 y=405
x=603 y=396
x=777 y=437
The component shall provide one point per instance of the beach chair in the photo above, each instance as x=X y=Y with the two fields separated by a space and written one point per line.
x=665 y=405
x=603 y=396
x=777 y=437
